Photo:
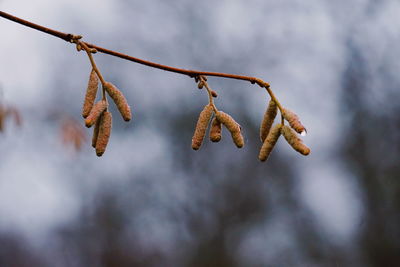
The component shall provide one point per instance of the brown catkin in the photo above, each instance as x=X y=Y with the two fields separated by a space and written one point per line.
x=95 y=113
x=232 y=126
x=104 y=133
x=268 y=119
x=238 y=139
x=96 y=131
x=91 y=93
x=293 y=140
x=119 y=100
x=269 y=142
x=293 y=120
x=201 y=126
x=215 y=130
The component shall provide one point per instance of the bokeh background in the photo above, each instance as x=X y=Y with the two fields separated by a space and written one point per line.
x=153 y=201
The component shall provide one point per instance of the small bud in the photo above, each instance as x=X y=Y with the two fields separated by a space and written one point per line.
x=104 y=133
x=201 y=126
x=293 y=120
x=293 y=140
x=232 y=126
x=270 y=142
x=91 y=93
x=119 y=100
x=213 y=93
x=200 y=85
x=95 y=113
x=215 y=130
x=268 y=119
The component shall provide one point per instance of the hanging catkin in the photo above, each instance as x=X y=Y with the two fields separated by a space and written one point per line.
x=268 y=119
x=119 y=100
x=293 y=120
x=96 y=131
x=95 y=113
x=293 y=140
x=104 y=133
x=91 y=93
x=269 y=142
x=215 y=130
x=201 y=126
x=232 y=126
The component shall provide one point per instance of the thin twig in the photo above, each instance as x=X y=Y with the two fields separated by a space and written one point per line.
x=210 y=97
x=191 y=73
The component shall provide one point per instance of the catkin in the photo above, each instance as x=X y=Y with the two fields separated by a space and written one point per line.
x=96 y=131
x=91 y=93
x=215 y=130
x=201 y=126
x=95 y=113
x=269 y=142
x=119 y=100
x=104 y=133
x=293 y=120
x=293 y=140
x=232 y=126
x=238 y=139
x=268 y=119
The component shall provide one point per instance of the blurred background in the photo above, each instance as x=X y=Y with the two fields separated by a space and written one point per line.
x=151 y=200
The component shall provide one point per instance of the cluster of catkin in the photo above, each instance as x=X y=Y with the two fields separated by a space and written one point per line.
x=270 y=134
x=220 y=118
x=97 y=114
x=7 y=112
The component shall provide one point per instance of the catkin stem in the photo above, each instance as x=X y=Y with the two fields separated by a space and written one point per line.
x=274 y=98
x=209 y=91
x=94 y=66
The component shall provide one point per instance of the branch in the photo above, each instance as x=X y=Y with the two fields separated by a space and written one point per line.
x=191 y=73
x=99 y=115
